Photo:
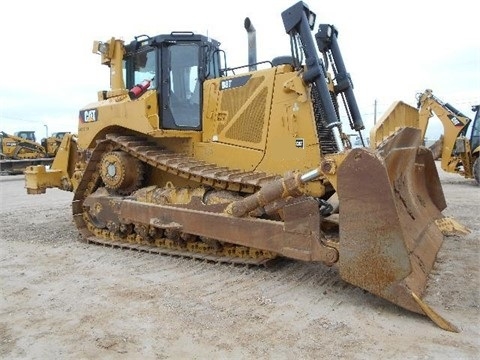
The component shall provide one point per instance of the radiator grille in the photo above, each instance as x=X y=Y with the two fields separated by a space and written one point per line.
x=249 y=125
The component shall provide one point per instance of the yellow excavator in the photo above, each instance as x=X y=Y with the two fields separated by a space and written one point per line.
x=184 y=155
x=458 y=150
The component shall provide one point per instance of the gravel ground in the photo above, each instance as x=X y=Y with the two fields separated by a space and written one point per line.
x=64 y=299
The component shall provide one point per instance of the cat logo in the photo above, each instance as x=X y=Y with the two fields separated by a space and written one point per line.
x=87 y=116
x=299 y=143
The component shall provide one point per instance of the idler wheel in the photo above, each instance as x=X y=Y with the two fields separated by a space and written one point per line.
x=121 y=172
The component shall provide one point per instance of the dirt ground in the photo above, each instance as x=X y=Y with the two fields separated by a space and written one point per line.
x=64 y=299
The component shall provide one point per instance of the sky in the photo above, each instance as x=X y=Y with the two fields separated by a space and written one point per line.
x=393 y=50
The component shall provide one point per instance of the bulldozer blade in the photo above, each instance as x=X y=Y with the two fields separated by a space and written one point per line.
x=390 y=200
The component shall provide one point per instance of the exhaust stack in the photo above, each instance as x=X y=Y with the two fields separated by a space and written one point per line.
x=252 y=44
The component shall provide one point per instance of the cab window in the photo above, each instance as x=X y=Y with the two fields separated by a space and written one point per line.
x=145 y=65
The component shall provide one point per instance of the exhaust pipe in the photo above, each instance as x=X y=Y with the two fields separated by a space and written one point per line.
x=252 y=45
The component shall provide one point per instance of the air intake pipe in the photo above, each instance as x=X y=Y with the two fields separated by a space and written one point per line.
x=252 y=45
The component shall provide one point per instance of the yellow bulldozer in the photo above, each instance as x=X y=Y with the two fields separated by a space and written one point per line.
x=184 y=155
x=19 y=151
x=459 y=151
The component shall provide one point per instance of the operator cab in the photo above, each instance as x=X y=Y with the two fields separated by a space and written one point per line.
x=176 y=65
x=27 y=135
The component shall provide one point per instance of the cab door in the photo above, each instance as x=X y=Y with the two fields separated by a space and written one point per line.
x=181 y=86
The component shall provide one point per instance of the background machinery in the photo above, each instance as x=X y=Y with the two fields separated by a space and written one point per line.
x=183 y=156
x=19 y=151
x=52 y=143
x=459 y=151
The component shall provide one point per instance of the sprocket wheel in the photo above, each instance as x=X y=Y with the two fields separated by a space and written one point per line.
x=121 y=172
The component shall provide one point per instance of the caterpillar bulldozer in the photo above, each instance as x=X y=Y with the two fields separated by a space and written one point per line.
x=21 y=150
x=52 y=143
x=459 y=151
x=186 y=156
